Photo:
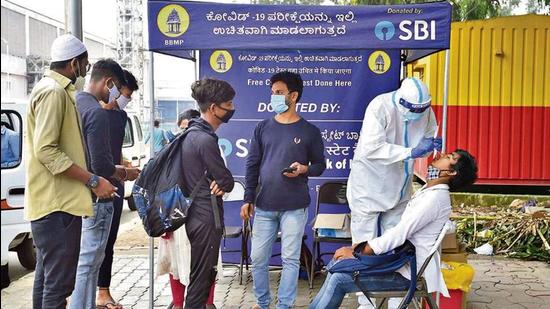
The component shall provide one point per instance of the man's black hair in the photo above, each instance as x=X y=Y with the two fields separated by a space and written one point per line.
x=292 y=81
x=466 y=170
x=130 y=81
x=188 y=115
x=156 y=123
x=210 y=90
x=60 y=65
x=107 y=68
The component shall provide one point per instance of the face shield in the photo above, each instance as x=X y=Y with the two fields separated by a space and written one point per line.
x=417 y=108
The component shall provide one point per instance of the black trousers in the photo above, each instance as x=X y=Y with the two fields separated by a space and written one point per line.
x=205 y=248
x=57 y=240
x=105 y=271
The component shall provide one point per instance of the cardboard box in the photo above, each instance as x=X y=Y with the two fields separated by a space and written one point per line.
x=450 y=244
x=459 y=257
x=333 y=225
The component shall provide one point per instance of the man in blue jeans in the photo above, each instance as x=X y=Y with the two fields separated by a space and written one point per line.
x=106 y=78
x=117 y=125
x=285 y=151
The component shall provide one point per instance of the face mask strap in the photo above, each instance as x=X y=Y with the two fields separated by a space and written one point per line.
x=214 y=113
x=76 y=76
x=449 y=170
x=223 y=108
x=435 y=173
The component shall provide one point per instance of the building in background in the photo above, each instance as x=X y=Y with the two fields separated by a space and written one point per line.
x=167 y=110
x=130 y=38
x=27 y=35
x=26 y=40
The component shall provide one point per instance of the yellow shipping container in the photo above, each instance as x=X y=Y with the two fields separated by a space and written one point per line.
x=499 y=95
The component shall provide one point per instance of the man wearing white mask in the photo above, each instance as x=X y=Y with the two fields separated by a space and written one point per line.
x=106 y=78
x=126 y=92
x=56 y=197
x=117 y=125
x=398 y=127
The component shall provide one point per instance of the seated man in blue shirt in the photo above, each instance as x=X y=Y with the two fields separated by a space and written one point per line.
x=285 y=151
x=424 y=217
x=10 y=147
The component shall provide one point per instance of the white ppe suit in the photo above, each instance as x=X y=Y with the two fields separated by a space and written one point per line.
x=380 y=181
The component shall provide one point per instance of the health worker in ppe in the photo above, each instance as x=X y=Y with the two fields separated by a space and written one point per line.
x=398 y=127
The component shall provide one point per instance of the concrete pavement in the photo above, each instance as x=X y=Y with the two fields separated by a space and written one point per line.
x=499 y=283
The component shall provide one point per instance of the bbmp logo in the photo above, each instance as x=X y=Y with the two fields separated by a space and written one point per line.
x=221 y=61
x=379 y=62
x=384 y=30
x=173 y=20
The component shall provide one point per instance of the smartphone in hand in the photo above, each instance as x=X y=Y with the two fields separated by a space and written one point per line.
x=289 y=170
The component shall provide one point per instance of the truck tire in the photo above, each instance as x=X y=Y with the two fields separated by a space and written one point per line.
x=131 y=203
x=5 y=276
x=26 y=253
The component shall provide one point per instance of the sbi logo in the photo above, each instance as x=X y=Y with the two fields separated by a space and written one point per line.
x=384 y=30
x=417 y=30
x=226 y=147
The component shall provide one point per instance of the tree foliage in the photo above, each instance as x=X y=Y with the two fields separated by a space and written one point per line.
x=303 y=2
x=462 y=9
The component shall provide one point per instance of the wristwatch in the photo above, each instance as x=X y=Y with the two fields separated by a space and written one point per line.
x=93 y=182
x=359 y=248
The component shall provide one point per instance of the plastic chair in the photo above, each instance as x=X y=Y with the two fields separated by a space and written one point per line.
x=333 y=193
x=421 y=287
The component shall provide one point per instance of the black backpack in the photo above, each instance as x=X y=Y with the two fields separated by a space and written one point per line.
x=159 y=199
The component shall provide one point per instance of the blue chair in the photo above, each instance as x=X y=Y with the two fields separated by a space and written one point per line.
x=391 y=262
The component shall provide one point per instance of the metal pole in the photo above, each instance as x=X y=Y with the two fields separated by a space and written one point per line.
x=150 y=72
x=445 y=101
x=197 y=56
x=75 y=18
x=8 y=70
x=8 y=67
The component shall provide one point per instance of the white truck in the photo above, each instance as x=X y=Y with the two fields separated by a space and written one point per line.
x=16 y=231
x=133 y=150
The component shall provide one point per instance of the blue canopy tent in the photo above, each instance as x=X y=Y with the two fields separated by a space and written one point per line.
x=180 y=28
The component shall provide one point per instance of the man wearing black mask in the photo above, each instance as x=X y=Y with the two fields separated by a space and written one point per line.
x=201 y=154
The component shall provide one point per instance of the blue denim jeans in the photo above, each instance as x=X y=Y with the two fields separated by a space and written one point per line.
x=337 y=285
x=264 y=233
x=95 y=232
x=57 y=240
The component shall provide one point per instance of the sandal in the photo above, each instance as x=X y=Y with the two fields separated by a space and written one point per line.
x=109 y=305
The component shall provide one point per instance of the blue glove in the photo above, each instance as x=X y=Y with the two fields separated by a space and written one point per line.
x=438 y=143
x=426 y=145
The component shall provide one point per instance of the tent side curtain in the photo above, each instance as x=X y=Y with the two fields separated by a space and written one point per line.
x=184 y=54
x=415 y=54
x=177 y=27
